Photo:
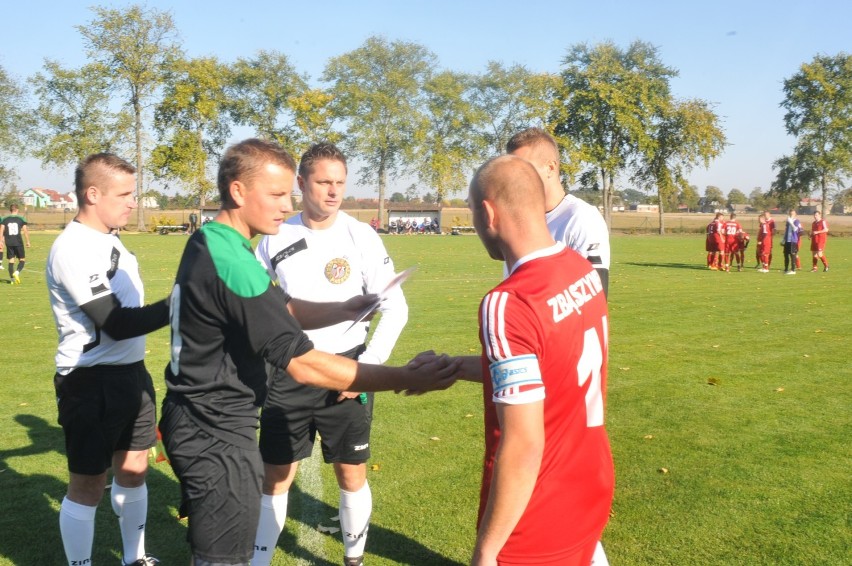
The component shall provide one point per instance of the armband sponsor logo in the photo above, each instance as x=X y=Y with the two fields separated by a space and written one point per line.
x=514 y=373
x=573 y=297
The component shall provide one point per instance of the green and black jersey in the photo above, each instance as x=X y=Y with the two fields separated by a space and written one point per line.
x=227 y=320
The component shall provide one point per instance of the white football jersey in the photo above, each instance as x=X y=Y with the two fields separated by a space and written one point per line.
x=85 y=264
x=582 y=228
x=336 y=264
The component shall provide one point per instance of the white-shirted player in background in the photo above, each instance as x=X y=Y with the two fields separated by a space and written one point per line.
x=569 y=219
x=105 y=395
x=323 y=254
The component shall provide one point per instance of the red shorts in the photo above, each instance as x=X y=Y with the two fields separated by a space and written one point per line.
x=765 y=246
x=732 y=245
x=817 y=245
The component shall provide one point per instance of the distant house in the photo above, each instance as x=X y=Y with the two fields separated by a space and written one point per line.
x=645 y=207
x=741 y=208
x=705 y=205
x=48 y=198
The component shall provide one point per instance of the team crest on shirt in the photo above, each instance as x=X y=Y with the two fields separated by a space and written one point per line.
x=337 y=270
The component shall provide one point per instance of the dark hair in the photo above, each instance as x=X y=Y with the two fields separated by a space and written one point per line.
x=317 y=152
x=84 y=170
x=242 y=160
x=528 y=137
x=13 y=208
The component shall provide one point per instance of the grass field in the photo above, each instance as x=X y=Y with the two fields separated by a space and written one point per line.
x=728 y=412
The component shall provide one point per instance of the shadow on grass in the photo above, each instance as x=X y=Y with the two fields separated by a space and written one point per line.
x=669 y=265
x=383 y=542
x=30 y=517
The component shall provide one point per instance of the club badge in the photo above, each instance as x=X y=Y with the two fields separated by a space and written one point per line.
x=337 y=270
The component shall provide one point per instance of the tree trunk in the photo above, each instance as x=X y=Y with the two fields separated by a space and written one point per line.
x=202 y=172
x=606 y=198
x=382 y=183
x=660 y=211
x=140 y=201
x=824 y=186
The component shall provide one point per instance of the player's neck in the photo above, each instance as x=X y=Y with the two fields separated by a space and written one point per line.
x=553 y=196
x=315 y=222
x=87 y=217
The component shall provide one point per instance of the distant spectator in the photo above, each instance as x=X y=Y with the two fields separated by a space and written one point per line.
x=792 y=233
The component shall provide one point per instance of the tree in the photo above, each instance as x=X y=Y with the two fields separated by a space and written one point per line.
x=192 y=124
x=714 y=196
x=15 y=123
x=133 y=46
x=448 y=151
x=509 y=99
x=795 y=178
x=397 y=198
x=270 y=96
x=683 y=134
x=689 y=196
x=736 y=196
x=74 y=115
x=378 y=89
x=818 y=104
x=605 y=106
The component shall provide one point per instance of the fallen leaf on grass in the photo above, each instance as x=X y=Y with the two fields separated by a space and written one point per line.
x=375 y=467
x=817 y=331
x=715 y=345
x=467 y=416
x=712 y=381
x=624 y=369
x=329 y=530
x=36 y=327
x=434 y=438
x=779 y=390
x=806 y=355
x=648 y=436
x=663 y=470
x=23 y=404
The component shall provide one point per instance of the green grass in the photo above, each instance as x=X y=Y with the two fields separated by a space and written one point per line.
x=757 y=464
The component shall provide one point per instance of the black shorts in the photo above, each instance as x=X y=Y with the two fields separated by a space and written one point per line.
x=103 y=409
x=15 y=251
x=220 y=487
x=294 y=413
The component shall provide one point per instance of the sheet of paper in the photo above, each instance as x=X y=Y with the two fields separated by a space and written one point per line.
x=393 y=284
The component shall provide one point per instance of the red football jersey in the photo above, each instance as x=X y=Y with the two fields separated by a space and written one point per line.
x=544 y=336
x=819 y=239
x=732 y=228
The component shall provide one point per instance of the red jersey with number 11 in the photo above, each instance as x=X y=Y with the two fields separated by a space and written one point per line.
x=544 y=336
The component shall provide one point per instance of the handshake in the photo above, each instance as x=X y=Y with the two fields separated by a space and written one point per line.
x=440 y=371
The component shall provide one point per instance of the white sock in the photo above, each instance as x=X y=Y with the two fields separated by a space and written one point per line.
x=273 y=514
x=355 y=510
x=131 y=506
x=77 y=525
x=599 y=557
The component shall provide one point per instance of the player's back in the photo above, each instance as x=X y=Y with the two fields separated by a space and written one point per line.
x=553 y=307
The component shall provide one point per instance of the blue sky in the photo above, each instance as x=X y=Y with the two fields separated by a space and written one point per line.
x=733 y=54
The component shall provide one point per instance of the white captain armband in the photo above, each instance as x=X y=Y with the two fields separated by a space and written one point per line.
x=517 y=380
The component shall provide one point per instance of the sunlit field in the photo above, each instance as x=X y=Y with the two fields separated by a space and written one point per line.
x=728 y=413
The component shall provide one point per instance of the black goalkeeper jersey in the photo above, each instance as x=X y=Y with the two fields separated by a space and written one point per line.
x=227 y=320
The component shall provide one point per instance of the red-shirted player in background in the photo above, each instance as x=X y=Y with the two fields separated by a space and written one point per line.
x=742 y=244
x=715 y=244
x=732 y=230
x=819 y=233
x=764 y=241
